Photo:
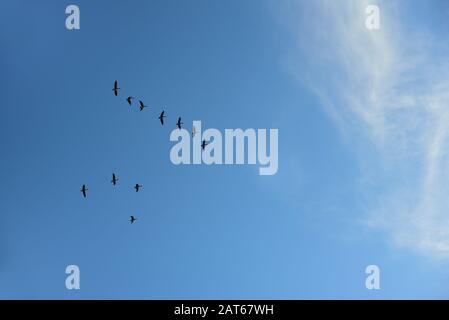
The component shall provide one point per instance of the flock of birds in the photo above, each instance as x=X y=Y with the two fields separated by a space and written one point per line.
x=161 y=118
x=143 y=106
x=114 y=180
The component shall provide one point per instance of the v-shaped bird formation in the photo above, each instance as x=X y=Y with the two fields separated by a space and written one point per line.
x=130 y=99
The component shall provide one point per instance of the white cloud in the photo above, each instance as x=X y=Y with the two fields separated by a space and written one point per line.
x=388 y=89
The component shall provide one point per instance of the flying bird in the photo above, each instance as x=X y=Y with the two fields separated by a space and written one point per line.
x=204 y=144
x=137 y=187
x=161 y=117
x=179 y=123
x=83 y=190
x=142 y=106
x=114 y=179
x=132 y=219
x=116 y=88
x=193 y=131
x=130 y=100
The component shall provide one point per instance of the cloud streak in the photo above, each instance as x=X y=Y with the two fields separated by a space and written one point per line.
x=388 y=94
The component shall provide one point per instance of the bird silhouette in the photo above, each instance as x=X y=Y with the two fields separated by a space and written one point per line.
x=114 y=179
x=137 y=187
x=179 y=123
x=161 y=117
x=116 y=88
x=83 y=190
x=132 y=219
x=204 y=144
x=130 y=100
x=142 y=106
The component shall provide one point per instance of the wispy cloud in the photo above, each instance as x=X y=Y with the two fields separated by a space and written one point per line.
x=386 y=89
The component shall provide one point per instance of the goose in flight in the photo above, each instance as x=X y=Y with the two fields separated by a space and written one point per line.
x=137 y=187
x=179 y=123
x=161 y=117
x=130 y=100
x=116 y=88
x=83 y=190
x=114 y=179
x=142 y=106
x=204 y=144
x=132 y=219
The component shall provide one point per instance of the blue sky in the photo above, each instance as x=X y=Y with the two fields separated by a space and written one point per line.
x=362 y=137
